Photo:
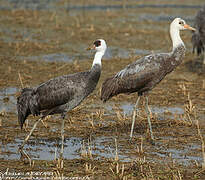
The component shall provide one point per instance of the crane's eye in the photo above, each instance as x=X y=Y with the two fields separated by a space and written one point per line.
x=97 y=43
x=181 y=22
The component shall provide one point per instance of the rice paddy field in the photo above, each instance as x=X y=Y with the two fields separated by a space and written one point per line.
x=40 y=40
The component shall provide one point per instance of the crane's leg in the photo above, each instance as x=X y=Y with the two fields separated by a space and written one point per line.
x=133 y=117
x=62 y=135
x=204 y=58
x=148 y=118
x=30 y=133
x=33 y=128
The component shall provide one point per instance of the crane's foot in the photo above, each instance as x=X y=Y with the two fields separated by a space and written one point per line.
x=24 y=156
x=130 y=141
x=60 y=163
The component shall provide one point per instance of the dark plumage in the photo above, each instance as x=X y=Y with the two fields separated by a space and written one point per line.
x=144 y=74
x=198 y=37
x=61 y=94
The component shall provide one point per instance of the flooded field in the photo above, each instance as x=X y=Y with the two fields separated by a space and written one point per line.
x=40 y=40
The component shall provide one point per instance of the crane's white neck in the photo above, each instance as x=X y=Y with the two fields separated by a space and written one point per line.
x=98 y=57
x=175 y=36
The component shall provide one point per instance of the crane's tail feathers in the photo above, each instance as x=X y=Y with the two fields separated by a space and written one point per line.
x=197 y=43
x=109 y=88
x=26 y=106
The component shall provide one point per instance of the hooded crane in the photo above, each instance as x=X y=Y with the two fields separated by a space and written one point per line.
x=198 y=37
x=61 y=94
x=144 y=74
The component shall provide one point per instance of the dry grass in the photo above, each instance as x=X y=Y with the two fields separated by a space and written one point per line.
x=67 y=34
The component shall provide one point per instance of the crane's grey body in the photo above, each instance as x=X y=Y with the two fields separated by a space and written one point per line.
x=144 y=74
x=60 y=94
x=198 y=37
x=57 y=95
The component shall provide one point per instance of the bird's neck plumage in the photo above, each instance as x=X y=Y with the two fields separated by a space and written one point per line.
x=176 y=39
x=97 y=58
x=92 y=78
x=96 y=68
x=178 y=50
x=95 y=73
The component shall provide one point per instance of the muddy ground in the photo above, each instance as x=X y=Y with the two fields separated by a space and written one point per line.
x=33 y=38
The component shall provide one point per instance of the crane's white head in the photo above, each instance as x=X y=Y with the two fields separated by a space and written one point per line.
x=180 y=24
x=99 y=45
x=177 y=25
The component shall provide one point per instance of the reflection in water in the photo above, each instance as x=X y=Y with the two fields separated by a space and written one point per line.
x=101 y=147
x=44 y=149
x=41 y=149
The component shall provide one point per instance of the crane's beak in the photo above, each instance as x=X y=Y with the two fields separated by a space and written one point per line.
x=91 y=47
x=186 y=26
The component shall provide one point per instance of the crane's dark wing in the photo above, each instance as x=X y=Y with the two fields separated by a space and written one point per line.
x=138 y=76
x=60 y=90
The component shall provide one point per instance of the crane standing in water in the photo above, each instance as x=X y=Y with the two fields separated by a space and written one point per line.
x=61 y=94
x=144 y=74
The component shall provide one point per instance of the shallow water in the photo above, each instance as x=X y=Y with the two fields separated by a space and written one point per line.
x=164 y=17
x=53 y=5
x=100 y=147
x=8 y=99
x=116 y=7
x=60 y=31
x=111 y=52
x=45 y=149
x=178 y=155
x=127 y=110
x=51 y=57
x=77 y=51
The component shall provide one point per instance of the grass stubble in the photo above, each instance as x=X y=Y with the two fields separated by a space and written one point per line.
x=97 y=121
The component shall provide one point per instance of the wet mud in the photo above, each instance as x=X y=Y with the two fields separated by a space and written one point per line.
x=41 y=40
